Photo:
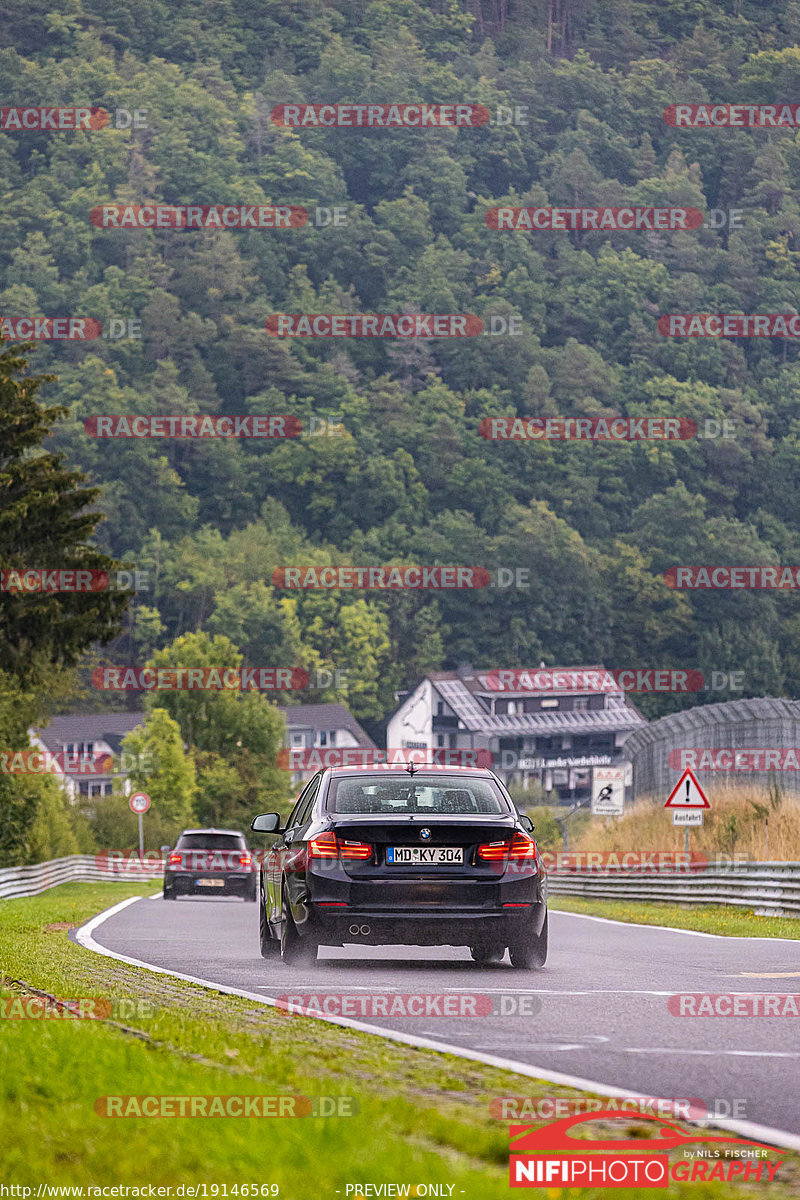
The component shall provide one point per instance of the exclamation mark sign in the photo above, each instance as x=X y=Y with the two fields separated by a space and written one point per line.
x=688 y=785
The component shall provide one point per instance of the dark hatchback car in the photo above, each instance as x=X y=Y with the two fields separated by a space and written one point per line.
x=435 y=856
x=210 y=862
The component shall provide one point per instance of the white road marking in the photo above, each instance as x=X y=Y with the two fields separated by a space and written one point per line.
x=313 y=985
x=682 y=1050
x=748 y=1129
x=533 y=1046
x=725 y=937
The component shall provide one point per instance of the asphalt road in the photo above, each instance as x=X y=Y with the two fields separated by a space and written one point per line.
x=603 y=1012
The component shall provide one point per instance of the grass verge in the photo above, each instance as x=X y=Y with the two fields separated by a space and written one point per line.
x=706 y=918
x=423 y=1117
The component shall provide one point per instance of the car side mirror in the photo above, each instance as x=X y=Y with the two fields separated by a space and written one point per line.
x=526 y=822
x=266 y=823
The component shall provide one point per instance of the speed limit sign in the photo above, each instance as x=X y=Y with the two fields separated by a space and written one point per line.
x=139 y=802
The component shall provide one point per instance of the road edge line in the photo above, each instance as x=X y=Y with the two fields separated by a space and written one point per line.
x=728 y=937
x=764 y=1133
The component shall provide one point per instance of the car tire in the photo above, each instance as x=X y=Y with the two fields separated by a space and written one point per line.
x=269 y=946
x=169 y=892
x=529 y=950
x=484 y=953
x=294 y=949
x=252 y=893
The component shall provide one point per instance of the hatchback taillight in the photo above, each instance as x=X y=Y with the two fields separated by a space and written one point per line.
x=174 y=859
x=245 y=860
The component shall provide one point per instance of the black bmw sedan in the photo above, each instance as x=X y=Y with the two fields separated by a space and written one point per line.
x=403 y=855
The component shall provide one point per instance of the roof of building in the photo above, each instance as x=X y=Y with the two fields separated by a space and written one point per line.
x=325 y=716
x=112 y=727
x=477 y=680
x=468 y=696
x=106 y=727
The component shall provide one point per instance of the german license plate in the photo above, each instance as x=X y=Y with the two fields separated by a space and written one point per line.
x=424 y=855
x=211 y=883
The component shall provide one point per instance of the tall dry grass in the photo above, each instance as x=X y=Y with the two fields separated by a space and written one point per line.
x=736 y=822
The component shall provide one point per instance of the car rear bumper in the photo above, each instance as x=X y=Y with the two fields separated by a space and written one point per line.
x=186 y=883
x=413 y=927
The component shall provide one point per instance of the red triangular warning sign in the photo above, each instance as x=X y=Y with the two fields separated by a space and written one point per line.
x=687 y=793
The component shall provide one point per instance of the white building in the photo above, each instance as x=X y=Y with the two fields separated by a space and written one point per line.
x=320 y=727
x=553 y=737
x=81 y=750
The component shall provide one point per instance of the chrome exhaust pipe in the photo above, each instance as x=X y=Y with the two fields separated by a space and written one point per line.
x=356 y=930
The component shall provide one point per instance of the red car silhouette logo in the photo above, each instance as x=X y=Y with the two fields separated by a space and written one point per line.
x=526 y=1139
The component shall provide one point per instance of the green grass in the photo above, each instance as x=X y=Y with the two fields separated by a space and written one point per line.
x=422 y=1117
x=708 y=918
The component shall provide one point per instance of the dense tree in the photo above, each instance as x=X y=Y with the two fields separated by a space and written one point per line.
x=407 y=476
x=47 y=518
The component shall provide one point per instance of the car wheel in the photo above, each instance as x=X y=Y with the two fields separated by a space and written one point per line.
x=483 y=953
x=294 y=949
x=169 y=893
x=529 y=950
x=269 y=946
x=252 y=893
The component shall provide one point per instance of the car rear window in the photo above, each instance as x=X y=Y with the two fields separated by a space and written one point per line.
x=455 y=796
x=211 y=841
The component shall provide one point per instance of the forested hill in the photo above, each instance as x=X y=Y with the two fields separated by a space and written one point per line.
x=409 y=478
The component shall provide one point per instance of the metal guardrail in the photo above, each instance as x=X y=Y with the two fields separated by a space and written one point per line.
x=76 y=868
x=770 y=888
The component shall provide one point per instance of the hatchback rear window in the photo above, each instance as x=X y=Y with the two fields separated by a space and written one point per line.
x=211 y=841
x=455 y=796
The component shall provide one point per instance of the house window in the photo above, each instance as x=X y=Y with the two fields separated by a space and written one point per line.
x=440 y=741
x=91 y=787
x=327 y=737
x=440 y=708
x=79 y=749
x=580 y=703
x=297 y=740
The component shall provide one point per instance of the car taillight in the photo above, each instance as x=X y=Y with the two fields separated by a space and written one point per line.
x=245 y=860
x=358 y=850
x=327 y=845
x=493 y=851
x=522 y=846
x=324 y=845
x=174 y=859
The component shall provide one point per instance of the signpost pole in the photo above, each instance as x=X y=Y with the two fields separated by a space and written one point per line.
x=141 y=837
x=686 y=844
